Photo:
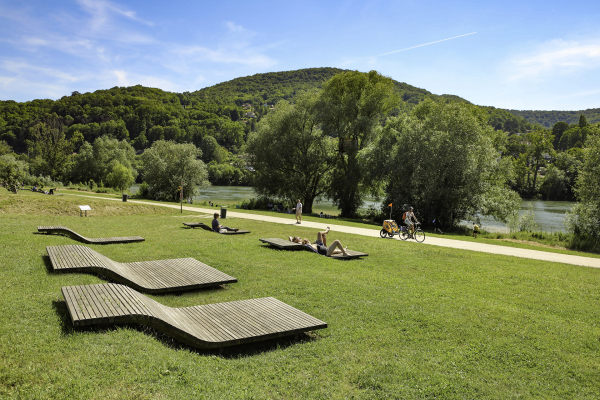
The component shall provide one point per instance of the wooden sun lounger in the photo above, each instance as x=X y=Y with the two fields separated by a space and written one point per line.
x=208 y=228
x=159 y=276
x=287 y=245
x=204 y=326
x=61 y=230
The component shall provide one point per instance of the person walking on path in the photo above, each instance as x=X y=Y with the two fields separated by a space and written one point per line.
x=475 y=230
x=437 y=225
x=299 y=212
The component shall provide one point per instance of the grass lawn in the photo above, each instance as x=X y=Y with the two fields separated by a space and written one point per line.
x=409 y=321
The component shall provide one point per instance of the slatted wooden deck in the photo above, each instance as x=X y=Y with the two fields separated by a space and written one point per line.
x=61 y=230
x=159 y=276
x=287 y=245
x=204 y=326
x=208 y=228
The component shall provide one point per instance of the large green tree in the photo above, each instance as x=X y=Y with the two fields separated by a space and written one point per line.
x=443 y=160
x=50 y=146
x=168 y=164
x=352 y=106
x=120 y=177
x=291 y=155
x=98 y=160
x=584 y=219
x=540 y=144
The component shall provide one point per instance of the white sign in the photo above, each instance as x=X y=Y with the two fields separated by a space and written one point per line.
x=85 y=208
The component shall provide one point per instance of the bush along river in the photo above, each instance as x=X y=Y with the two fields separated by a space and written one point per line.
x=548 y=215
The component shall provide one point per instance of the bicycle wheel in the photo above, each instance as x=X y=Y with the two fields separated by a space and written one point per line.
x=390 y=235
x=383 y=233
x=419 y=236
x=404 y=235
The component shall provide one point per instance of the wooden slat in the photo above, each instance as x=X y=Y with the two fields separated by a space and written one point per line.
x=208 y=228
x=158 y=276
x=61 y=230
x=287 y=245
x=203 y=326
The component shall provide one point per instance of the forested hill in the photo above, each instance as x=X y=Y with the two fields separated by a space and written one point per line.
x=548 y=118
x=226 y=112
x=271 y=87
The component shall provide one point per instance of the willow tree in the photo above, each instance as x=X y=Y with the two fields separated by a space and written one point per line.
x=443 y=159
x=168 y=164
x=351 y=107
x=290 y=154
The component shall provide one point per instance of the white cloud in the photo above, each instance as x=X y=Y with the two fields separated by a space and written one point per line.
x=235 y=28
x=248 y=57
x=22 y=68
x=102 y=10
x=555 y=57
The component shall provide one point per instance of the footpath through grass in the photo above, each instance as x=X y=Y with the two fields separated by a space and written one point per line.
x=409 y=321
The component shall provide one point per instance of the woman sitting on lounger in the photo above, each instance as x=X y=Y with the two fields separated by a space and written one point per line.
x=320 y=246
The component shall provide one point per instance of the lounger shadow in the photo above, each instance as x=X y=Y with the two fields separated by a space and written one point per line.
x=161 y=276
x=287 y=245
x=208 y=228
x=204 y=326
x=61 y=230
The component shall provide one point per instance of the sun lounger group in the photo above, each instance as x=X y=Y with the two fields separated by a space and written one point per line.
x=204 y=326
x=61 y=230
x=287 y=245
x=208 y=228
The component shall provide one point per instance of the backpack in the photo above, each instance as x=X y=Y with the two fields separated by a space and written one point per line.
x=404 y=215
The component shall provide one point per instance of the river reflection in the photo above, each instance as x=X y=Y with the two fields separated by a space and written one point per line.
x=549 y=215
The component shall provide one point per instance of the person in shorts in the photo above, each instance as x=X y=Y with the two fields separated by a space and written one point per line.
x=299 y=212
x=408 y=220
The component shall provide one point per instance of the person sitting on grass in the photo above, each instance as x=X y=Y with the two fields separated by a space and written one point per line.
x=216 y=226
x=321 y=246
x=475 y=230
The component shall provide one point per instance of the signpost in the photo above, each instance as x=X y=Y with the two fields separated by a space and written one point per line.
x=84 y=208
x=181 y=196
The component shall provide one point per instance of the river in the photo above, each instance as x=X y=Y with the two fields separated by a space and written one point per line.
x=549 y=215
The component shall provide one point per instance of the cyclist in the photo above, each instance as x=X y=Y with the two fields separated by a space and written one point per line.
x=408 y=216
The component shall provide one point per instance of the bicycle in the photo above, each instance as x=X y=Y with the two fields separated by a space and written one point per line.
x=418 y=234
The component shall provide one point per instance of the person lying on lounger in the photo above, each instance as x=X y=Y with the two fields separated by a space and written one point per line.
x=216 y=226
x=320 y=246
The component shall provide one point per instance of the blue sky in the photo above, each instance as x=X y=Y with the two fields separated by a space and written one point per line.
x=534 y=55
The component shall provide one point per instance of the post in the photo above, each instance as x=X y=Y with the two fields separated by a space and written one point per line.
x=181 y=196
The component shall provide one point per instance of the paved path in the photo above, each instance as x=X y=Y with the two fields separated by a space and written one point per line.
x=435 y=241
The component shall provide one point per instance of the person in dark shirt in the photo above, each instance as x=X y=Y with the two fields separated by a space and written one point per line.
x=216 y=226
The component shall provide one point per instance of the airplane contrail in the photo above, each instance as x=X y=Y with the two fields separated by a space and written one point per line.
x=421 y=45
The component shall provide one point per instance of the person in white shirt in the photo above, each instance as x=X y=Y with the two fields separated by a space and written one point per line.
x=299 y=212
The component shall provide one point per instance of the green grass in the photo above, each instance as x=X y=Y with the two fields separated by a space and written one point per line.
x=409 y=321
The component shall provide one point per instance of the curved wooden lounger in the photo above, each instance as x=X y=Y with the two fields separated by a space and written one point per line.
x=159 y=276
x=208 y=228
x=61 y=230
x=204 y=326
x=287 y=245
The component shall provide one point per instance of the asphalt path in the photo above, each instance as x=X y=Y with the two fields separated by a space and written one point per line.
x=433 y=241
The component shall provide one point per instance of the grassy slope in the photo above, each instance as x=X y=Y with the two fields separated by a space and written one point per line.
x=408 y=321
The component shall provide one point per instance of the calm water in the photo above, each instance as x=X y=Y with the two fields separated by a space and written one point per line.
x=549 y=215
